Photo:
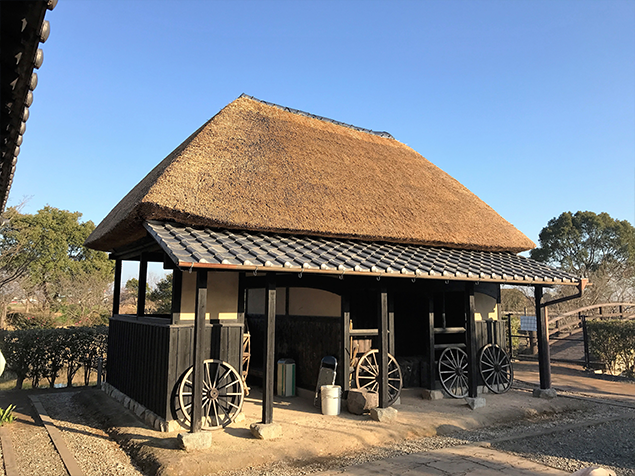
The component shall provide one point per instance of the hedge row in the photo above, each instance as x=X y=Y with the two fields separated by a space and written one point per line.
x=39 y=354
x=613 y=342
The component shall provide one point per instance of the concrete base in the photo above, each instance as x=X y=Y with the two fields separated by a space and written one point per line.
x=431 y=394
x=266 y=431
x=475 y=403
x=384 y=415
x=545 y=393
x=198 y=441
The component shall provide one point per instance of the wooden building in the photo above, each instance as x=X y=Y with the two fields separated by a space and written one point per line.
x=310 y=232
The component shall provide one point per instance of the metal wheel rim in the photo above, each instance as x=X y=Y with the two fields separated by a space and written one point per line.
x=453 y=366
x=496 y=368
x=223 y=394
x=367 y=375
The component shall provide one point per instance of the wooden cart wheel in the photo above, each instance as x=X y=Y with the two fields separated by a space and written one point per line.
x=246 y=359
x=496 y=368
x=453 y=372
x=367 y=375
x=223 y=394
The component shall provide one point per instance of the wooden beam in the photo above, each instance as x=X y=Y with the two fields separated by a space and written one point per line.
x=471 y=341
x=432 y=368
x=270 y=349
x=544 y=364
x=345 y=356
x=143 y=279
x=198 y=354
x=383 y=348
x=116 y=292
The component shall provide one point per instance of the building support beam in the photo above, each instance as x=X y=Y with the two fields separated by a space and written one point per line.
x=432 y=369
x=143 y=280
x=470 y=340
x=345 y=359
x=116 y=292
x=198 y=351
x=270 y=349
x=544 y=357
x=383 y=348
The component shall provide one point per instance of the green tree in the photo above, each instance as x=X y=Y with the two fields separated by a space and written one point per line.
x=161 y=295
x=592 y=246
x=132 y=289
x=51 y=243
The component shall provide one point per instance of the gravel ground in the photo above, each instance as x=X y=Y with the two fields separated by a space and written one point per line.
x=95 y=452
x=608 y=444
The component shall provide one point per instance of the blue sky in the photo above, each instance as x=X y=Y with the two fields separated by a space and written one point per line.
x=530 y=104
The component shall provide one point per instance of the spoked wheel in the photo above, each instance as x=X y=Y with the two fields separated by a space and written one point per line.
x=453 y=372
x=496 y=368
x=246 y=359
x=367 y=375
x=222 y=394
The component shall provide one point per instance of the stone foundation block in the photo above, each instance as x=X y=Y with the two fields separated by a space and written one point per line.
x=593 y=471
x=545 y=393
x=360 y=401
x=384 y=415
x=431 y=394
x=475 y=403
x=267 y=431
x=198 y=441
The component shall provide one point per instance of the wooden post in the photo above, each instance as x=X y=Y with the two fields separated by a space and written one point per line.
x=197 y=351
x=345 y=359
x=470 y=340
x=544 y=365
x=270 y=349
x=383 y=348
x=585 y=337
x=391 y=325
x=509 y=335
x=143 y=279
x=116 y=292
x=430 y=335
x=177 y=290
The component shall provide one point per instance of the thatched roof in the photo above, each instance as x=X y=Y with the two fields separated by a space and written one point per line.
x=260 y=167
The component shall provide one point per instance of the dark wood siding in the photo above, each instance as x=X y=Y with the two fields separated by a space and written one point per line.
x=147 y=359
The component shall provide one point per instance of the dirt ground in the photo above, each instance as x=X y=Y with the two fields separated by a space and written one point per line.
x=309 y=436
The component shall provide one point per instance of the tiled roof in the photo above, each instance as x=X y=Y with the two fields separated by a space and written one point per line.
x=231 y=249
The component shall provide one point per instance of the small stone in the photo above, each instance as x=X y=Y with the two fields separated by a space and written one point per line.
x=545 y=393
x=200 y=440
x=384 y=415
x=266 y=431
x=475 y=403
x=593 y=471
x=360 y=401
x=431 y=394
x=126 y=402
x=240 y=418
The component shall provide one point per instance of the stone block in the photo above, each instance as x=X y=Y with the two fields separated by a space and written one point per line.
x=201 y=440
x=267 y=431
x=545 y=393
x=360 y=401
x=593 y=471
x=475 y=403
x=431 y=394
x=126 y=402
x=384 y=415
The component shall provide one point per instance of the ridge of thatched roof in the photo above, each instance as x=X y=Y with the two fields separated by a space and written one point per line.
x=262 y=167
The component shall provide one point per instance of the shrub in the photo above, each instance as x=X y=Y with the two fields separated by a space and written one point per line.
x=613 y=342
x=42 y=353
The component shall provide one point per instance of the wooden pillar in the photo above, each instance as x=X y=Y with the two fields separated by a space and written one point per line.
x=391 y=325
x=270 y=349
x=432 y=370
x=116 y=292
x=143 y=279
x=544 y=364
x=198 y=351
x=345 y=359
x=470 y=340
x=383 y=348
x=177 y=291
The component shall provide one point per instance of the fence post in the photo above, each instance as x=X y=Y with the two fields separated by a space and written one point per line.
x=100 y=361
x=585 y=337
